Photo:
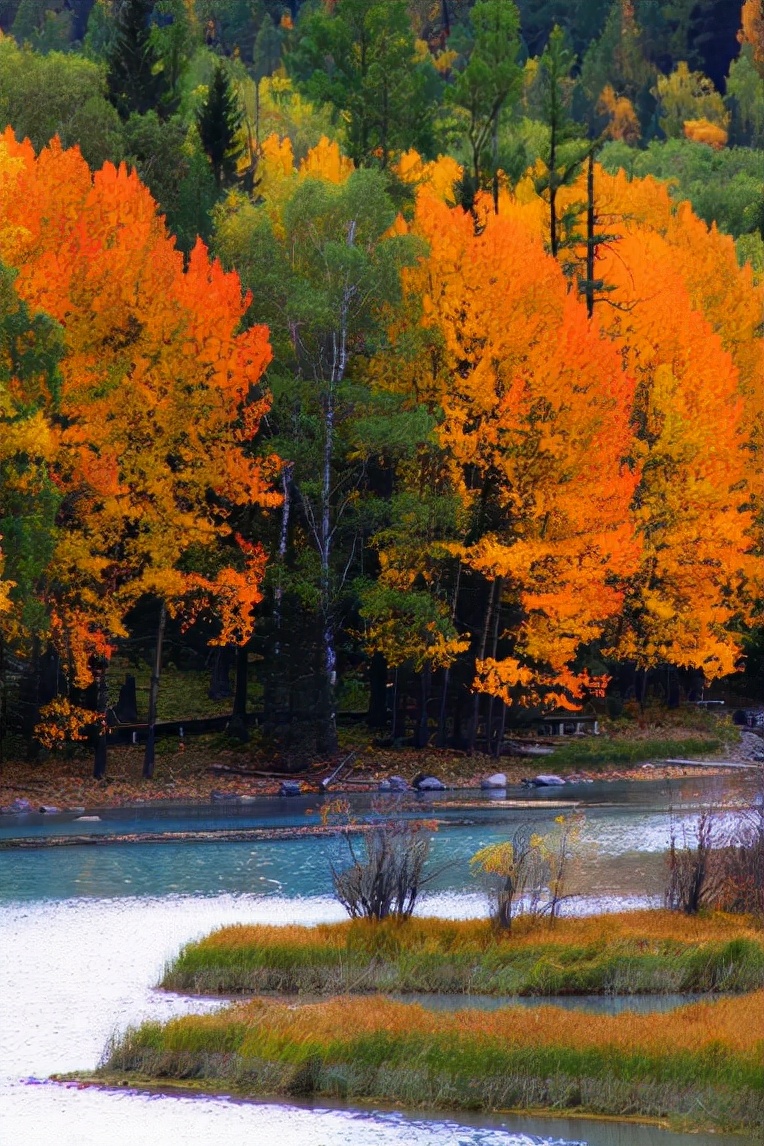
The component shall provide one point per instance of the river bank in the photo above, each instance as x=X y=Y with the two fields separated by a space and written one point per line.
x=698 y=1066
x=205 y=769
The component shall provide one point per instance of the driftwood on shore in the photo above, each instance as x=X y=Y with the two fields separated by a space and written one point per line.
x=248 y=835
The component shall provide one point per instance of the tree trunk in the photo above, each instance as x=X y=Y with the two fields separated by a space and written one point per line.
x=422 y=731
x=149 y=755
x=494 y=647
x=220 y=677
x=640 y=687
x=275 y=674
x=99 y=757
x=377 y=714
x=502 y=726
x=591 y=240
x=483 y=645
x=237 y=725
x=495 y=181
x=278 y=592
x=553 y=246
x=399 y=726
x=441 y=739
x=327 y=722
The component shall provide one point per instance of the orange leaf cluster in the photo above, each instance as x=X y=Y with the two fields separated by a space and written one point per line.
x=703 y=131
x=534 y=410
x=156 y=406
x=618 y=455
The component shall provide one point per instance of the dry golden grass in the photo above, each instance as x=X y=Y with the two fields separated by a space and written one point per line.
x=703 y=1064
x=735 y=1025
x=438 y=935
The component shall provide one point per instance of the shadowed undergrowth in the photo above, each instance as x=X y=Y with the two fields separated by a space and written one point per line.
x=629 y=953
x=701 y=1064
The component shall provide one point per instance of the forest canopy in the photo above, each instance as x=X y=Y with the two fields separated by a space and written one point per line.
x=379 y=338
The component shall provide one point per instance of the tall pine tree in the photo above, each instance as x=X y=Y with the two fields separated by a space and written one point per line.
x=136 y=81
x=218 y=121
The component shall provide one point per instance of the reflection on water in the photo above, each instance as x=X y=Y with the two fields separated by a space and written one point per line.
x=72 y=973
x=589 y=1004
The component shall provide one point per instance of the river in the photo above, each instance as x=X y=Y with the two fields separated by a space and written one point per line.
x=86 y=930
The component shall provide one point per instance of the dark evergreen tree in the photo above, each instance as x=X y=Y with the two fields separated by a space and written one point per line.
x=713 y=37
x=582 y=20
x=136 y=82
x=567 y=148
x=218 y=121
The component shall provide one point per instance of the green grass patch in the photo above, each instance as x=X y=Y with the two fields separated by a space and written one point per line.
x=595 y=752
x=633 y=953
x=700 y=1064
x=183 y=693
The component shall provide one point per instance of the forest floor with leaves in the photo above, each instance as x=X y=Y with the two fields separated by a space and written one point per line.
x=213 y=764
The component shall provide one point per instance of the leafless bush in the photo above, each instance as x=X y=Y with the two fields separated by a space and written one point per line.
x=386 y=873
x=690 y=868
x=718 y=865
x=741 y=864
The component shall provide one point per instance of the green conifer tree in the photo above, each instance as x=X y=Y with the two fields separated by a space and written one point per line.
x=218 y=121
x=136 y=81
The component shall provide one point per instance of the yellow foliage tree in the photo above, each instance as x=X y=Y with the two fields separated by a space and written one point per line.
x=686 y=95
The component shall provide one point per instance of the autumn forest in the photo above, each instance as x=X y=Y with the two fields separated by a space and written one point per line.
x=400 y=357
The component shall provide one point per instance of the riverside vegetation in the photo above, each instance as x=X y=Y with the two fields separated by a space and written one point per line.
x=627 y=953
x=702 y=1063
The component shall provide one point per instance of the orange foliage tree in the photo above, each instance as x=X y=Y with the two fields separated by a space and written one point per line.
x=687 y=319
x=669 y=575
x=703 y=131
x=752 y=30
x=532 y=411
x=157 y=404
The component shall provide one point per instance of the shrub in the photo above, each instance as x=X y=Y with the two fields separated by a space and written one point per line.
x=690 y=869
x=718 y=867
x=528 y=872
x=386 y=871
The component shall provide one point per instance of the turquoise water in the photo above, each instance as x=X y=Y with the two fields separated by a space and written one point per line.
x=86 y=930
x=625 y=835
x=589 y=1004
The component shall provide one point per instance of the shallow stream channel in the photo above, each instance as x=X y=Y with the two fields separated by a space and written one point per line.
x=86 y=930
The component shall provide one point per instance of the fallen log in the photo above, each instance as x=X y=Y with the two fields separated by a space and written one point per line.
x=347 y=763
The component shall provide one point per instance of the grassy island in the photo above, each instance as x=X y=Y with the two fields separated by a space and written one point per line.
x=701 y=1065
x=627 y=953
